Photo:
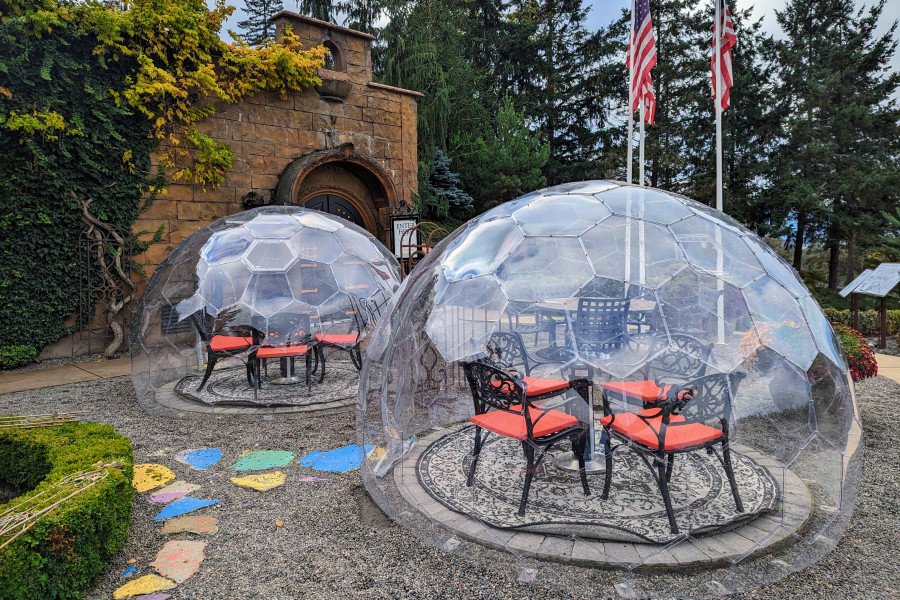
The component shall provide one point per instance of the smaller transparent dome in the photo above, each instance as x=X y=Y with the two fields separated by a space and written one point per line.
x=651 y=337
x=272 y=276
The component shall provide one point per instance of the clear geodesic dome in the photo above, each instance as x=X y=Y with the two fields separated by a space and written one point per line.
x=272 y=276
x=685 y=323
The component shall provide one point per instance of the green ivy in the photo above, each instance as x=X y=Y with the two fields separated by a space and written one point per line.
x=83 y=146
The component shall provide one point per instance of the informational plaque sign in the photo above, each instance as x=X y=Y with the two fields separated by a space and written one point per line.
x=851 y=287
x=399 y=225
x=881 y=281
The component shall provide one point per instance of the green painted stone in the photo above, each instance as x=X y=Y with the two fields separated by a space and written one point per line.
x=260 y=460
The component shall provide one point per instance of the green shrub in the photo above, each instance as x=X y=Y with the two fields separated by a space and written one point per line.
x=869 y=320
x=16 y=356
x=67 y=548
x=860 y=356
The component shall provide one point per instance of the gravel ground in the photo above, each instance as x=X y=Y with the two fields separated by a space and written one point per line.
x=335 y=543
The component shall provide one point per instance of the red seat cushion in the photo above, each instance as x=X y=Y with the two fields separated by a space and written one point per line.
x=226 y=343
x=679 y=435
x=538 y=386
x=270 y=352
x=646 y=391
x=335 y=339
x=513 y=425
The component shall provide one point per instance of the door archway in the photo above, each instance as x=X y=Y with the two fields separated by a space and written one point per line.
x=336 y=205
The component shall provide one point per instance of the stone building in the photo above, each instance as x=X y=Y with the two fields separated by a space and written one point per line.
x=347 y=147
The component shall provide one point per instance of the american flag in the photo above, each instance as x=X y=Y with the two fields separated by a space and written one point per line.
x=725 y=41
x=644 y=44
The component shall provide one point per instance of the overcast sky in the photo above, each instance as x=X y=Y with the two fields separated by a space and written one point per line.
x=602 y=13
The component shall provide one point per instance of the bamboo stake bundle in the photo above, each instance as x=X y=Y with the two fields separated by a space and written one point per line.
x=34 y=421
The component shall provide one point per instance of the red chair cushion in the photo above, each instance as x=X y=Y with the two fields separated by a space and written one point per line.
x=538 y=386
x=226 y=343
x=513 y=425
x=646 y=391
x=679 y=435
x=270 y=352
x=335 y=339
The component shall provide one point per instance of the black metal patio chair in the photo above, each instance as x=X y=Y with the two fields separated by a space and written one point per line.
x=502 y=406
x=601 y=326
x=219 y=342
x=676 y=425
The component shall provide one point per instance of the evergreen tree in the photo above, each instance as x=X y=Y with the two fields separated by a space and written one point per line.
x=837 y=167
x=440 y=194
x=362 y=15
x=256 y=27
x=506 y=163
x=324 y=10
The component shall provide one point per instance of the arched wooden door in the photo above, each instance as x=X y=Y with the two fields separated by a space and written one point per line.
x=336 y=205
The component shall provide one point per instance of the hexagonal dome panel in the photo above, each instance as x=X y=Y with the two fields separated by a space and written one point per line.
x=651 y=337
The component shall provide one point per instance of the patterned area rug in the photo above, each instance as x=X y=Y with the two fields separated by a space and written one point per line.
x=633 y=512
x=229 y=387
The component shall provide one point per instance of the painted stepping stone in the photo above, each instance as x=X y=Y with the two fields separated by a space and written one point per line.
x=143 y=585
x=182 y=506
x=148 y=476
x=191 y=524
x=339 y=460
x=308 y=479
x=199 y=459
x=179 y=560
x=174 y=491
x=261 y=482
x=129 y=571
x=154 y=597
x=260 y=460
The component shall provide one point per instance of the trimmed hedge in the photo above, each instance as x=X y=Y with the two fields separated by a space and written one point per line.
x=68 y=547
x=869 y=320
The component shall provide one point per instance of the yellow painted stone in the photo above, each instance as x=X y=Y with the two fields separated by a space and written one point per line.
x=261 y=481
x=377 y=453
x=150 y=475
x=143 y=585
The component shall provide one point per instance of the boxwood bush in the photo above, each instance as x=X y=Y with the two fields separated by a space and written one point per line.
x=67 y=548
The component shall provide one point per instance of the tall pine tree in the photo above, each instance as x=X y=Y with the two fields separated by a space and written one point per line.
x=257 y=28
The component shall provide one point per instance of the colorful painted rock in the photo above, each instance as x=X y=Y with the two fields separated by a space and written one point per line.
x=339 y=460
x=260 y=460
x=174 y=491
x=199 y=459
x=191 y=524
x=129 y=571
x=178 y=560
x=261 y=482
x=154 y=597
x=143 y=585
x=182 y=506
x=148 y=476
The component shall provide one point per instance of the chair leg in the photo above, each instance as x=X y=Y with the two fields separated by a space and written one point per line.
x=475 y=454
x=320 y=361
x=726 y=461
x=669 y=467
x=607 y=452
x=356 y=357
x=529 y=475
x=251 y=372
x=579 y=443
x=211 y=359
x=661 y=466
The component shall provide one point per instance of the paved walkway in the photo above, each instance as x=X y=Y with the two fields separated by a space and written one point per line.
x=31 y=380
x=889 y=366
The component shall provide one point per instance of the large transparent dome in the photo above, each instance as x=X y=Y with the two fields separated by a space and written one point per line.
x=272 y=276
x=646 y=294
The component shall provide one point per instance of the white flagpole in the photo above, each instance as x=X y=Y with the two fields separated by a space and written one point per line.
x=630 y=96
x=720 y=266
x=717 y=45
x=641 y=153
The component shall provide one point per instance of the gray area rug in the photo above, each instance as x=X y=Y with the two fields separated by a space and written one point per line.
x=633 y=512
x=228 y=387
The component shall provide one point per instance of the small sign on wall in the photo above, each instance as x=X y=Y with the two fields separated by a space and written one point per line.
x=399 y=225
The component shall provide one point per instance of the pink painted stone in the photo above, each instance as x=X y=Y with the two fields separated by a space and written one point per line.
x=179 y=560
x=191 y=524
x=153 y=597
x=166 y=498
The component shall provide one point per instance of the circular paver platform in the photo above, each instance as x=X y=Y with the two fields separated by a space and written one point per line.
x=760 y=536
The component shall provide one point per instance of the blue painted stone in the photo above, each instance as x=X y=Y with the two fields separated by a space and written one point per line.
x=182 y=506
x=128 y=571
x=201 y=458
x=339 y=460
